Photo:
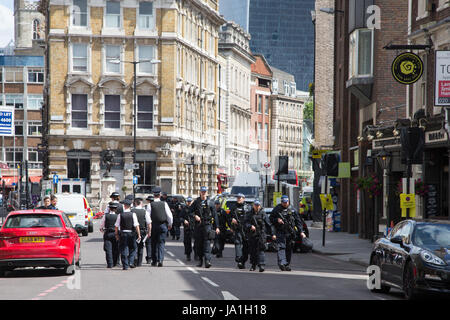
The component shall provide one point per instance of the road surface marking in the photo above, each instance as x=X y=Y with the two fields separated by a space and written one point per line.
x=331 y=275
x=228 y=296
x=180 y=262
x=171 y=254
x=193 y=270
x=210 y=282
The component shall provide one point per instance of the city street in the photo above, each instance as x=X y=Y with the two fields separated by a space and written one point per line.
x=313 y=277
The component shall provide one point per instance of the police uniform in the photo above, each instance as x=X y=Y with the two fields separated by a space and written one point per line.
x=143 y=218
x=203 y=232
x=161 y=220
x=110 y=244
x=285 y=233
x=257 y=238
x=223 y=222
x=186 y=214
x=115 y=196
x=239 y=212
x=175 y=208
x=128 y=226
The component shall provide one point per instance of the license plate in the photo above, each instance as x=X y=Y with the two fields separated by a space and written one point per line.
x=32 y=239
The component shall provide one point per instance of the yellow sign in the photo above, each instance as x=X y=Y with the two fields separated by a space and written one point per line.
x=317 y=154
x=276 y=198
x=327 y=202
x=408 y=201
x=407 y=68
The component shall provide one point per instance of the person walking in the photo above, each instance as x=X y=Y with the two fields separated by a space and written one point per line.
x=256 y=224
x=223 y=221
x=238 y=213
x=187 y=216
x=174 y=206
x=161 y=221
x=144 y=226
x=115 y=197
x=110 y=244
x=287 y=226
x=126 y=229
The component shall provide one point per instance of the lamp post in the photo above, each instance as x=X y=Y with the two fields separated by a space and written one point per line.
x=135 y=63
x=384 y=160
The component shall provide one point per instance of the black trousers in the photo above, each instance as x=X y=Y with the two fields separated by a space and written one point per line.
x=187 y=240
x=240 y=247
x=257 y=254
x=111 y=247
x=202 y=244
x=140 y=249
x=219 y=241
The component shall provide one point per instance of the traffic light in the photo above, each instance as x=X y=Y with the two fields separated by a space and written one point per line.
x=331 y=162
x=283 y=165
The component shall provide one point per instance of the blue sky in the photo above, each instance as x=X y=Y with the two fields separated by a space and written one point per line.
x=7 y=25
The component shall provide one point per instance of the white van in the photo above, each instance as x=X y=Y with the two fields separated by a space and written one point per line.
x=248 y=183
x=76 y=207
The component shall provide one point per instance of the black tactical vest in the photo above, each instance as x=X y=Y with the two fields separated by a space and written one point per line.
x=140 y=214
x=158 y=214
x=110 y=221
x=126 y=221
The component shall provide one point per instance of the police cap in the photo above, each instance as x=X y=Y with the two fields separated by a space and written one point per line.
x=127 y=202
x=114 y=195
x=203 y=189
x=156 y=190
x=113 y=205
x=284 y=199
x=189 y=199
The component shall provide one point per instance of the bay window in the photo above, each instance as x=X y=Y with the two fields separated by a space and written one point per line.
x=361 y=53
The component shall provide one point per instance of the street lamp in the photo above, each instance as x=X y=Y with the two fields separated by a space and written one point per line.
x=384 y=159
x=134 y=63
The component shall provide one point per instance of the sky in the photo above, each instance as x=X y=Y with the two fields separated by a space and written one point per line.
x=7 y=25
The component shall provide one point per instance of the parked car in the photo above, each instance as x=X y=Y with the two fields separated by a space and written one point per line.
x=414 y=257
x=38 y=238
x=76 y=207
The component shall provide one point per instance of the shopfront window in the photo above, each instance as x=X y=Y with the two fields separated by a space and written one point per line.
x=147 y=168
x=79 y=164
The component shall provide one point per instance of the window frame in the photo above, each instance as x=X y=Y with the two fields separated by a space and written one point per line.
x=33 y=97
x=119 y=97
x=106 y=63
x=15 y=95
x=87 y=13
x=152 y=112
x=355 y=54
x=78 y=111
x=120 y=15
x=88 y=58
x=152 y=66
x=139 y=15
x=36 y=72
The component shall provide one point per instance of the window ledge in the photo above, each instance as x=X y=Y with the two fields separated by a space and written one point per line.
x=152 y=33
x=114 y=32
x=443 y=7
x=79 y=131
x=79 y=30
x=425 y=15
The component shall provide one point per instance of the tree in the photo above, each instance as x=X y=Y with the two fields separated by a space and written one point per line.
x=308 y=111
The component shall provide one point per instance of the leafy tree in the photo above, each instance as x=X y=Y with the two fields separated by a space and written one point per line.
x=308 y=111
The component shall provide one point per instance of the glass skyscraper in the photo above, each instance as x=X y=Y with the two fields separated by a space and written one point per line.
x=281 y=30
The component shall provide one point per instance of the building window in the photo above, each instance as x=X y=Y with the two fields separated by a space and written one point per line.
x=14 y=100
x=36 y=29
x=80 y=13
x=146 y=53
x=147 y=168
x=34 y=155
x=145 y=112
x=79 y=164
x=80 y=57
x=112 y=57
x=14 y=155
x=259 y=104
x=361 y=53
x=35 y=129
x=18 y=128
x=35 y=101
x=259 y=131
x=79 y=111
x=13 y=75
x=266 y=105
x=266 y=132
x=35 y=75
x=146 y=20
x=112 y=111
x=112 y=19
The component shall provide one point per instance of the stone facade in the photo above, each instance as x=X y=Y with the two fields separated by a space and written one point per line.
x=90 y=102
x=29 y=28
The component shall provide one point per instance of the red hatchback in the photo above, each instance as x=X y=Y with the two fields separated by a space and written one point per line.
x=38 y=238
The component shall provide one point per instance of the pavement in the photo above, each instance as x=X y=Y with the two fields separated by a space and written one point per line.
x=341 y=245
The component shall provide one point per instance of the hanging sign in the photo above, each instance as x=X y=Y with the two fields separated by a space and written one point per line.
x=407 y=68
x=442 y=78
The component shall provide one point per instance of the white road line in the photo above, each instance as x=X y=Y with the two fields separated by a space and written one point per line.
x=193 y=270
x=180 y=262
x=228 y=296
x=171 y=254
x=332 y=275
x=210 y=282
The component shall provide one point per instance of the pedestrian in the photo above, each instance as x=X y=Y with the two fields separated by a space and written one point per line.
x=175 y=208
x=161 y=221
x=287 y=226
x=257 y=222
x=110 y=244
x=187 y=215
x=144 y=226
x=223 y=223
x=54 y=201
x=115 y=197
x=238 y=213
x=148 y=244
x=47 y=204
x=128 y=226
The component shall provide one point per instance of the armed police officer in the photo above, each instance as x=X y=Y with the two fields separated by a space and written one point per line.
x=223 y=222
x=128 y=226
x=205 y=221
x=257 y=222
x=288 y=226
x=144 y=226
x=187 y=216
x=110 y=244
x=238 y=213
x=175 y=207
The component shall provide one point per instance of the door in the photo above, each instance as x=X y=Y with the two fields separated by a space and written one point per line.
x=388 y=254
x=400 y=253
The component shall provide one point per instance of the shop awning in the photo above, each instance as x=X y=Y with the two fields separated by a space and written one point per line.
x=9 y=181
x=35 y=179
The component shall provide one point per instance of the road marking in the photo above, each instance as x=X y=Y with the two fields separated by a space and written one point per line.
x=193 y=270
x=228 y=296
x=331 y=275
x=210 y=282
x=180 y=262
x=171 y=254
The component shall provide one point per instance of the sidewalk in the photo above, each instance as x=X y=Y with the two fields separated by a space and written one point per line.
x=341 y=245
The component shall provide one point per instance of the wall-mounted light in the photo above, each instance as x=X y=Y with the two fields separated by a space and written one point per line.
x=370 y=137
x=379 y=134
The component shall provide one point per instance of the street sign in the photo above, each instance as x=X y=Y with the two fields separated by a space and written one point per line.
x=317 y=154
x=238 y=168
x=256 y=160
x=442 y=78
x=7 y=122
x=135 y=179
x=267 y=165
x=55 y=179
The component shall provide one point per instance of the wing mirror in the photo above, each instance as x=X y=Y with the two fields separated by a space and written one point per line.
x=397 y=239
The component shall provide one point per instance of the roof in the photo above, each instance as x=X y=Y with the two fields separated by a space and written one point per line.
x=40 y=211
x=261 y=66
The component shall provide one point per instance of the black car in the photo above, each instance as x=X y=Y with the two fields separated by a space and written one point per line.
x=414 y=257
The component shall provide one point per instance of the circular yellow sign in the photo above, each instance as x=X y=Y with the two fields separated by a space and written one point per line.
x=407 y=68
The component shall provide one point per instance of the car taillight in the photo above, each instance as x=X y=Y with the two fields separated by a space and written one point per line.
x=60 y=235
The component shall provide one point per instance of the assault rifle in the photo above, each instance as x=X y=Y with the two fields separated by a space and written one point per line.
x=289 y=224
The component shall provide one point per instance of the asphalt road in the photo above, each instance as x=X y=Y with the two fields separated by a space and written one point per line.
x=313 y=277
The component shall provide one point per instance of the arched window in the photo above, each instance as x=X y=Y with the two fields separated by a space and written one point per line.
x=36 y=29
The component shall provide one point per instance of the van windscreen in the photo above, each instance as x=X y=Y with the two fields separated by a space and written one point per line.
x=247 y=191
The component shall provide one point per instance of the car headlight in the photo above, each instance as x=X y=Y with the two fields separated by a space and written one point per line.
x=428 y=257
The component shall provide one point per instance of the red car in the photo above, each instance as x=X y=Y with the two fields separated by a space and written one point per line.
x=38 y=238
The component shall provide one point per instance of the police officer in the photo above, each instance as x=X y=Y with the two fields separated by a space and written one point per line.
x=115 y=197
x=287 y=225
x=205 y=220
x=187 y=216
x=128 y=226
x=238 y=213
x=257 y=222
x=144 y=226
x=223 y=224
x=161 y=221
x=110 y=244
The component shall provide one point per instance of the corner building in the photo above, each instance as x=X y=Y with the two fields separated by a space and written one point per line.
x=89 y=105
